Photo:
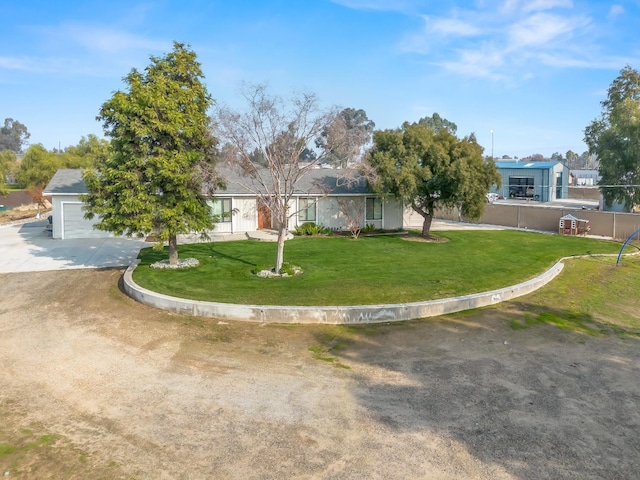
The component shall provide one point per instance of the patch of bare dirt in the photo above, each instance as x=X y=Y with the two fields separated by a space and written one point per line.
x=429 y=239
x=120 y=390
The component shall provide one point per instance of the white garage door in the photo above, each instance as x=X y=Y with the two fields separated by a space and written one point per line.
x=75 y=225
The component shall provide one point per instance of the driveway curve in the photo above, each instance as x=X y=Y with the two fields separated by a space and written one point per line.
x=27 y=247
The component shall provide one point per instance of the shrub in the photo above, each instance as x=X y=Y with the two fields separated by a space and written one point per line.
x=310 y=228
x=368 y=228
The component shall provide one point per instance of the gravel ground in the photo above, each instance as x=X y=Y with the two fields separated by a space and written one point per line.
x=149 y=395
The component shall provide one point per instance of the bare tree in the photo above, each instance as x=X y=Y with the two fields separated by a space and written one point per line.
x=279 y=133
x=353 y=211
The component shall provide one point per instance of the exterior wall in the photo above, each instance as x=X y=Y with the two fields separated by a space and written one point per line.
x=328 y=214
x=393 y=214
x=563 y=188
x=331 y=216
x=244 y=217
x=411 y=219
x=56 y=212
x=246 y=220
x=294 y=220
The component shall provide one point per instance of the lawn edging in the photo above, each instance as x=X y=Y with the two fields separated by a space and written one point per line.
x=337 y=315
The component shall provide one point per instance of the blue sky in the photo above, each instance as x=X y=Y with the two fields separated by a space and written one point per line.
x=533 y=71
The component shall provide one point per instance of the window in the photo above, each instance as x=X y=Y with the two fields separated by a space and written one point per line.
x=307 y=210
x=374 y=208
x=221 y=210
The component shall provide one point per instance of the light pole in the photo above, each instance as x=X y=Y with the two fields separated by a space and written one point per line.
x=491 y=132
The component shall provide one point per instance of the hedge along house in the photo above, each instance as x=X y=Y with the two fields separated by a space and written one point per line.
x=331 y=198
x=539 y=181
x=325 y=197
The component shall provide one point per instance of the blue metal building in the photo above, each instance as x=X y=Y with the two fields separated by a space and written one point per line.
x=539 y=181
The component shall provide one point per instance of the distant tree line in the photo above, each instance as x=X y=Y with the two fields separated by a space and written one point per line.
x=33 y=167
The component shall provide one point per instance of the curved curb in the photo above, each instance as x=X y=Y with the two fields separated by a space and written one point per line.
x=337 y=315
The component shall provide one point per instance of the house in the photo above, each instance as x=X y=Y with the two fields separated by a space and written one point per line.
x=323 y=196
x=540 y=181
x=65 y=189
x=584 y=178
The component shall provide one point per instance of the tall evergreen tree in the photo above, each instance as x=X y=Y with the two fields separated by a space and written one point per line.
x=162 y=150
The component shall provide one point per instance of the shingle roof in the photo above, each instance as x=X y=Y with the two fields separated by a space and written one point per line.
x=319 y=181
x=66 y=181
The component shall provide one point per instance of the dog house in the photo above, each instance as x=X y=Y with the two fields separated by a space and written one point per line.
x=570 y=225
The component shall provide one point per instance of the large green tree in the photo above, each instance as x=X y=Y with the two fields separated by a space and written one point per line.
x=13 y=135
x=91 y=151
x=162 y=153
x=429 y=169
x=437 y=123
x=8 y=163
x=37 y=167
x=615 y=138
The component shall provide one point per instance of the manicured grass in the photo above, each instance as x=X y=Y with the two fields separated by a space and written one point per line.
x=592 y=296
x=384 y=269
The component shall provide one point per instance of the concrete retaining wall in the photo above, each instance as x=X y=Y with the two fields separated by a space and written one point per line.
x=353 y=315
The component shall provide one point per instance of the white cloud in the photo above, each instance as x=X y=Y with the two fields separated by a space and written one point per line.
x=93 y=51
x=485 y=62
x=451 y=26
x=13 y=63
x=615 y=11
x=540 y=5
x=515 y=40
x=542 y=28
x=111 y=41
x=529 y=6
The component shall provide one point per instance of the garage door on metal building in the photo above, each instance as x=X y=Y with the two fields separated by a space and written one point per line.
x=74 y=225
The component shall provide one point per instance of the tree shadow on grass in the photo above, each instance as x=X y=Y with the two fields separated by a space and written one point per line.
x=150 y=256
x=532 y=403
x=233 y=258
x=568 y=319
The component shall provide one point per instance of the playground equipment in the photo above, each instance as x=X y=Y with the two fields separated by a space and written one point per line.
x=624 y=245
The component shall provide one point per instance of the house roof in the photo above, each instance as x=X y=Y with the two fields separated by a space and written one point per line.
x=527 y=165
x=319 y=181
x=66 y=181
x=571 y=217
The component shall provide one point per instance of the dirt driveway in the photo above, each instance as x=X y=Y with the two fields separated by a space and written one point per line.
x=109 y=388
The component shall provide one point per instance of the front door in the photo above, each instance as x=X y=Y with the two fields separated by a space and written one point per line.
x=264 y=216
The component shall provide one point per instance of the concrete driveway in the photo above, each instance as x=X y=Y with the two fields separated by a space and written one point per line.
x=28 y=247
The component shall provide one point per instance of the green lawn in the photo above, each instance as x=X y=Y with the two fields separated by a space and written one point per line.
x=383 y=269
x=591 y=296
